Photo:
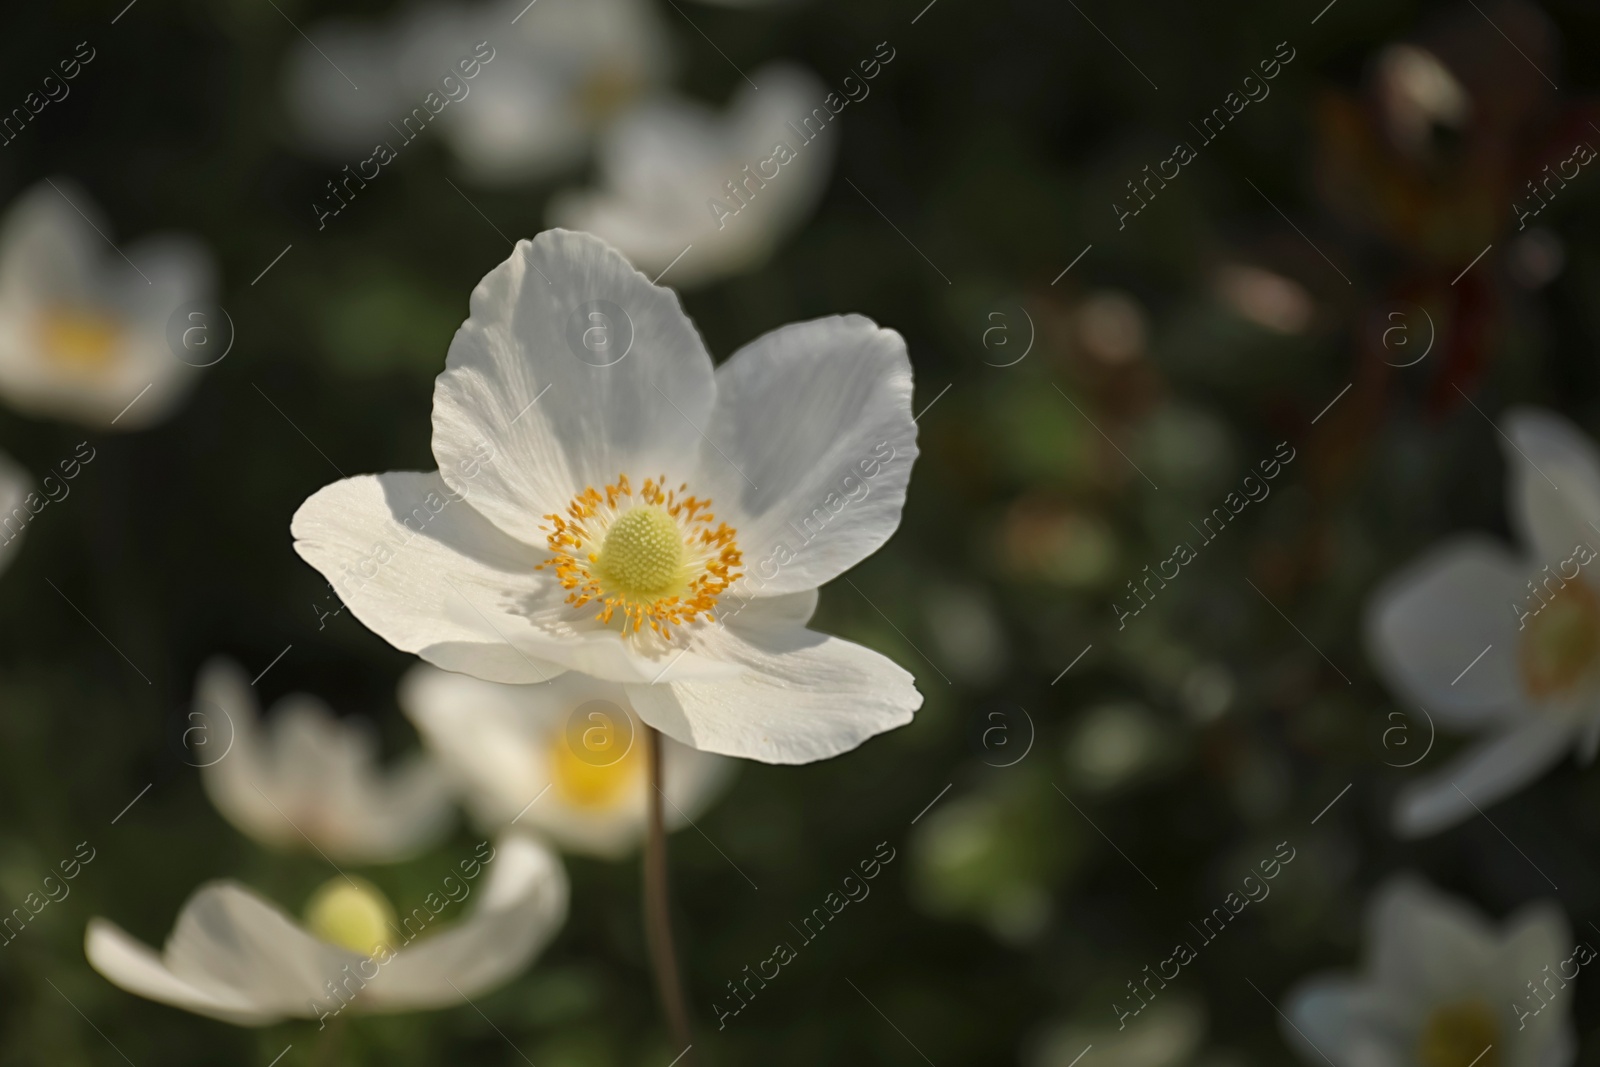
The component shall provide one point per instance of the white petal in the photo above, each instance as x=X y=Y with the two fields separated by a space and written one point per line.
x=1536 y=935
x=1537 y=946
x=229 y=935
x=315 y=778
x=1425 y=946
x=520 y=908
x=232 y=956
x=1486 y=774
x=1330 y=1018
x=524 y=418
x=1427 y=624
x=46 y=246
x=426 y=572
x=805 y=696
x=1553 y=482
x=180 y=270
x=659 y=163
x=811 y=447
x=498 y=740
x=574 y=641
x=135 y=967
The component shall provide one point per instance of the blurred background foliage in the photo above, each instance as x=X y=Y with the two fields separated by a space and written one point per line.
x=1196 y=338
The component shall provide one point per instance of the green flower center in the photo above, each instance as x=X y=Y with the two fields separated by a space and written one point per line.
x=642 y=556
x=351 y=913
x=1458 y=1034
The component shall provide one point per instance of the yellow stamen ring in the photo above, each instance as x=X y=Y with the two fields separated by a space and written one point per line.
x=654 y=555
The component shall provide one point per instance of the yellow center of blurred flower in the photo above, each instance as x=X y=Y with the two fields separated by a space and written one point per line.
x=595 y=780
x=351 y=913
x=79 y=340
x=1561 y=644
x=1458 y=1034
x=653 y=555
x=604 y=92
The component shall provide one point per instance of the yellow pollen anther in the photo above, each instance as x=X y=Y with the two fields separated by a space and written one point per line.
x=351 y=913
x=653 y=555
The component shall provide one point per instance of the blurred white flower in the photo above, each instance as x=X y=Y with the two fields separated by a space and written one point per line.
x=15 y=486
x=237 y=957
x=83 y=327
x=308 y=779
x=801 y=444
x=1442 y=988
x=565 y=758
x=666 y=165
x=1507 y=644
x=559 y=72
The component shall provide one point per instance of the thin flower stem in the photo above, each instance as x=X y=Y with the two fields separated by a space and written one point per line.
x=326 y=1052
x=657 y=911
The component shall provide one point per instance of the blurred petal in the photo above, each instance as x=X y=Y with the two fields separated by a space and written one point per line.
x=14 y=516
x=521 y=907
x=659 y=162
x=1426 y=624
x=135 y=967
x=1538 y=937
x=1487 y=773
x=1331 y=1019
x=1553 y=481
x=312 y=778
x=232 y=956
x=501 y=741
x=1425 y=946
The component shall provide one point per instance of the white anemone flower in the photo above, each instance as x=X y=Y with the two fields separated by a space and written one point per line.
x=566 y=758
x=84 y=325
x=237 y=957
x=721 y=191
x=307 y=779
x=528 y=103
x=1503 y=643
x=605 y=503
x=15 y=489
x=1442 y=988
